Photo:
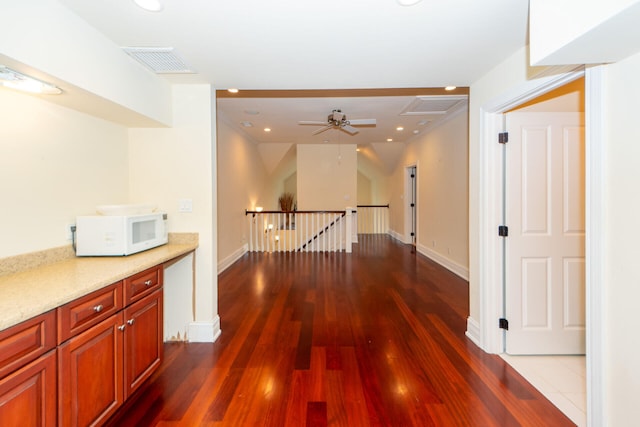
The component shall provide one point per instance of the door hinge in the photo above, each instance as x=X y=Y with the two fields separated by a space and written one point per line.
x=503 y=137
x=504 y=324
x=503 y=231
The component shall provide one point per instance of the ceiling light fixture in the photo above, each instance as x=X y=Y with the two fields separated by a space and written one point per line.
x=267 y=129
x=389 y=139
x=408 y=2
x=149 y=5
x=399 y=128
x=450 y=88
x=246 y=124
x=15 y=80
x=233 y=90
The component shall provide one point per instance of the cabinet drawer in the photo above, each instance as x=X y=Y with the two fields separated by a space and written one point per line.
x=82 y=313
x=26 y=341
x=142 y=284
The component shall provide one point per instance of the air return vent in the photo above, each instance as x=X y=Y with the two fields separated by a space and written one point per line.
x=436 y=104
x=161 y=60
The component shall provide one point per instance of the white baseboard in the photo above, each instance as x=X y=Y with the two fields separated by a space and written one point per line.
x=205 y=331
x=396 y=235
x=236 y=255
x=473 y=331
x=444 y=261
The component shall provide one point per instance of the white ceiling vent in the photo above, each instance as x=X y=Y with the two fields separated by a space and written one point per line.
x=436 y=104
x=161 y=60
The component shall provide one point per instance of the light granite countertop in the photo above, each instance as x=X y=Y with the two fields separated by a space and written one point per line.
x=26 y=294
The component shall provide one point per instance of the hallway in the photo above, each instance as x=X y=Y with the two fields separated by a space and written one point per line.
x=375 y=338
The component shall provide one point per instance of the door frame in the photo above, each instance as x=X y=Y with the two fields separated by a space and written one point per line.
x=491 y=338
x=407 y=192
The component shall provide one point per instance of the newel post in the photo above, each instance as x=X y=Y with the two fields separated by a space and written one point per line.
x=348 y=231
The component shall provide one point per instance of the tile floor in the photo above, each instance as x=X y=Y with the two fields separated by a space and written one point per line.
x=561 y=379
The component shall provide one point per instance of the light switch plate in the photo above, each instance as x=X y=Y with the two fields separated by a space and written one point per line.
x=185 y=205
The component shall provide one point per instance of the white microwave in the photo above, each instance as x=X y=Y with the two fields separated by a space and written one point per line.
x=119 y=235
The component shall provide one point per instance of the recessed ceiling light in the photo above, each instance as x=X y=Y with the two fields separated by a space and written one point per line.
x=267 y=129
x=233 y=90
x=149 y=5
x=450 y=88
x=357 y=150
x=246 y=124
x=399 y=128
x=15 y=80
x=389 y=139
x=408 y=2
x=415 y=132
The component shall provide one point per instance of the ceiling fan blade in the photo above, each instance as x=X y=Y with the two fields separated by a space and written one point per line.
x=349 y=129
x=322 y=129
x=312 y=122
x=363 y=122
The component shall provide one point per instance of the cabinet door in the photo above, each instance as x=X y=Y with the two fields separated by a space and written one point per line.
x=143 y=340
x=90 y=374
x=28 y=396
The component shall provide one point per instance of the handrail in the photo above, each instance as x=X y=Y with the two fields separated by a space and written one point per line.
x=247 y=212
x=373 y=206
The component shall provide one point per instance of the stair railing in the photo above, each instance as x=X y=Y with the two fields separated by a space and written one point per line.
x=301 y=231
x=373 y=219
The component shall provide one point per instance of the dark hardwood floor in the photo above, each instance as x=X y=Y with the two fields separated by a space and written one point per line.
x=373 y=338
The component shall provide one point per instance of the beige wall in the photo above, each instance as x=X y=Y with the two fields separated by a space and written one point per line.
x=55 y=164
x=364 y=189
x=167 y=165
x=377 y=175
x=275 y=184
x=441 y=157
x=327 y=176
x=241 y=178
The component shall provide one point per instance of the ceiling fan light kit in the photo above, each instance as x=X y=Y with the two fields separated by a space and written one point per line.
x=337 y=119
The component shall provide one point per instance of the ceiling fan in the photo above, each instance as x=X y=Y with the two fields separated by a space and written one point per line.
x=337 y=119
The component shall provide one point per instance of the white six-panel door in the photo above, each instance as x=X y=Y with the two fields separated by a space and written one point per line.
x=544 y=251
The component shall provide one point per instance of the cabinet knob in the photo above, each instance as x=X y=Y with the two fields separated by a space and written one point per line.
x=98 y=308
x=131 y=321
x=147 y=282
x=122 y=327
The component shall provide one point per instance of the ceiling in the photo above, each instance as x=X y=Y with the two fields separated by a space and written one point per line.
x=298 y=60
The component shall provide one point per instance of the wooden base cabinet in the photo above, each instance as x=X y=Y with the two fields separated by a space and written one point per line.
x=28 y=373
x=90 y=374
x=143 y=340
x=101 y=366
x=28 y=395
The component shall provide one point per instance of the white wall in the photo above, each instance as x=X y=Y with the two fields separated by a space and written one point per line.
x=441 y=157
x=327 y=176
x=167 y=165
x=55 y=164
x=621 y=274
x=507 y=75
x=583 y=31
x=47 y=37
x=241 y=177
